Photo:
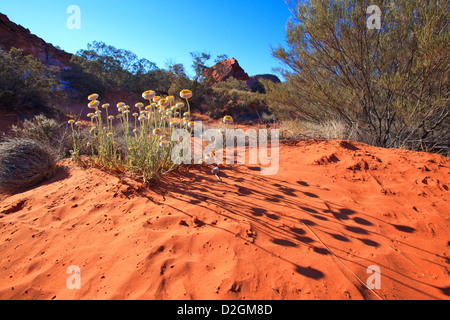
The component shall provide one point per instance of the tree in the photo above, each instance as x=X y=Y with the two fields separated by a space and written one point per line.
x=220 y=58
x=26 y=84
x=111 y=66
x=198 y=84
x=392 y=82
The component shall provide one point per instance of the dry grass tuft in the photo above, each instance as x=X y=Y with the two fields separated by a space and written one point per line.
x=24 y=163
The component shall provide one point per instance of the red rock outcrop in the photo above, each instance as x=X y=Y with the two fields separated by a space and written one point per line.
x=225 y=69
x=16 y=36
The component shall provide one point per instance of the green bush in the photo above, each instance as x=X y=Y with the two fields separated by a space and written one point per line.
x=238 y=100
x=26 y=84
x=232 y=84
x=82 y=81
x=392 y=82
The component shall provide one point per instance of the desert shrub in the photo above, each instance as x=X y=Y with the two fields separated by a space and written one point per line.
x=258 y=86
x=181 y=82
x=232 y=99
x=50 y=133
x=102 y=66
x=24 y=163
x=231 y=84
x=160 y=80
x=40 y=128
x=81 y=81
x=26 y=84
x=393 y=83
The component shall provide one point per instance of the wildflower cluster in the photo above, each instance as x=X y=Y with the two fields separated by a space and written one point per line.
x=135 y=139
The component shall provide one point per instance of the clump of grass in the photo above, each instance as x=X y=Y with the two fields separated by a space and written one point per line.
x=40 y=128
x=51 y=133
x=136 y=141
x=24 y=163
x=328 y=129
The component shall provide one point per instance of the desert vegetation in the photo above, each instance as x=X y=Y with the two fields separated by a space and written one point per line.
x=27 y=85
x=122 y=179
x=389 y=87
x=386 y=87
x=134 y=140
x=24 y=163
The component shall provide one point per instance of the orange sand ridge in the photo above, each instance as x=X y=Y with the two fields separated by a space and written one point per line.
x=309 y=232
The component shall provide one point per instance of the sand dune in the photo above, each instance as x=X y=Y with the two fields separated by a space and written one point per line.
x=311 y=231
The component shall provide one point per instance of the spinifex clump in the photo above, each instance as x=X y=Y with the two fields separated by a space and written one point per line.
x=24 y=163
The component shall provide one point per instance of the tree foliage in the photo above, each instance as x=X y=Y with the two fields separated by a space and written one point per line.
x=102 y=66
x=393 y=82
x=26 y=84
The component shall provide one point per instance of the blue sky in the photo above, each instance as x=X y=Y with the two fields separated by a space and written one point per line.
x=163 y=30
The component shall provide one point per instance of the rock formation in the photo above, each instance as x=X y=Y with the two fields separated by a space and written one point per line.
x=225 y=69
x=16 y=36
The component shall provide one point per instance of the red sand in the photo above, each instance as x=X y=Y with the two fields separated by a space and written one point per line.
x=249 y=237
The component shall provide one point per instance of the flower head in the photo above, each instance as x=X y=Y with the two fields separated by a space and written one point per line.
x=93 y=96
x=179 y=105
x=156 y=98
x=139 y=105
x=120 y=105
x=105 y=106
x=90 y=114
x=163 y=143
x=135 y=114
x=186 y=94
x=163 y=102
x=111 y=117
x=170 y=98
x=71 y=121
x=157 y=132
x=93 y=104
x=227 y=119
x=191 y=124
x=148 y=95
x=78 y=123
